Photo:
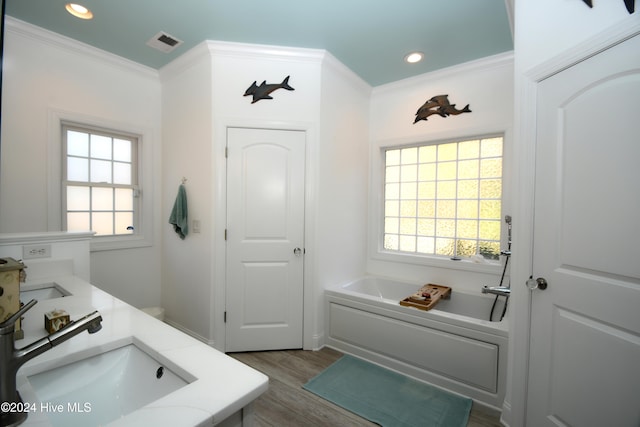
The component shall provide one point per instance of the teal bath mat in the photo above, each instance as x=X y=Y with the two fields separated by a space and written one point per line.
x=388 y=398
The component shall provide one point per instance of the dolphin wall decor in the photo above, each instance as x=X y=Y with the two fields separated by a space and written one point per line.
x=439 y=105
x=264 y=90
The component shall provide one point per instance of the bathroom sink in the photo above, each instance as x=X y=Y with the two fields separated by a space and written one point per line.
x=43 y=292
x=100 y=389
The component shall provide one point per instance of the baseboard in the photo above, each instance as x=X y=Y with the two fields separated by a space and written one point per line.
x=506 y=413
x=315 y=343
x=189 y=332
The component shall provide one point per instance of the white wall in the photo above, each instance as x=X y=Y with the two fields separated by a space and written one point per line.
x=69 y=253
x=342 y=177
x=48 y=76
x=197 y=97
x=330 y=104
x=190 y=106
x=187 y=153
x=547 y=28
x=236 y=66
x=487 y=85
x=203 y=96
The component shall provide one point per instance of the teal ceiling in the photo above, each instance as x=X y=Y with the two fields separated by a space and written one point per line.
x=371 y=37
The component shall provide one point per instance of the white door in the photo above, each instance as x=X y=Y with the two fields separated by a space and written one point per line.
x=584 y=367
x=265 y=239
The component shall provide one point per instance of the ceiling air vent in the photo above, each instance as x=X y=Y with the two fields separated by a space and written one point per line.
x=164 y=42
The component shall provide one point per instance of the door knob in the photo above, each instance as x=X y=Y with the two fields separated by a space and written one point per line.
x=539 y=283
x=297 y=251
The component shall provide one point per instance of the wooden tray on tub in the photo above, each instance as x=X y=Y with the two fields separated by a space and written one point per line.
x=427 y=297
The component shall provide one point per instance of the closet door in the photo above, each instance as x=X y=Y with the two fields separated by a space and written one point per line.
x=265 y=239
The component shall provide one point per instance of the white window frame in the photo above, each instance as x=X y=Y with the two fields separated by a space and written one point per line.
x=133 y=185
x=143 y=234
x=377 y=201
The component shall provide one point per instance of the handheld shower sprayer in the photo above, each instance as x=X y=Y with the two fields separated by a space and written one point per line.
x=507 y=219
x=501 y=290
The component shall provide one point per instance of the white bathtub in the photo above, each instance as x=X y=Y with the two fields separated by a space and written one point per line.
x=452 y=346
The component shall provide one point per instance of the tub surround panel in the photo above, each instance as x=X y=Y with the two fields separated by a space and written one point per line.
x=439 y=352
x=443 y=346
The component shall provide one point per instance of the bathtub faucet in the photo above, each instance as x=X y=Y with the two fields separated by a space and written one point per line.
x=496 y=290
x=11 y=358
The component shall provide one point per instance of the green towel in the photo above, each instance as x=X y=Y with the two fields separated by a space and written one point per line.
x=179 y=214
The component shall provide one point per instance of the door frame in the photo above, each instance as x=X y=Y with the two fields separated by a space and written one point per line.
x=273 y=264
x=311 y=338
x=515 y=405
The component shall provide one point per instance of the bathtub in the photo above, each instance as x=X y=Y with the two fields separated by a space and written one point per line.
x=453 y=346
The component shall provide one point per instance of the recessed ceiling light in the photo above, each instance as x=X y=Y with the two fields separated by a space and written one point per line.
x=78 y=11
x=414 y=57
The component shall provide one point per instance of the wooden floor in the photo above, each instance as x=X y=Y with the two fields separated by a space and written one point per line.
x=286 y=403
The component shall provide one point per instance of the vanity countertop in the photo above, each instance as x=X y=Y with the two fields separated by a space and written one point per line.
x=222 y=385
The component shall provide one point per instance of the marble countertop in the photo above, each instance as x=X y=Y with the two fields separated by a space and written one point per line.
x=222 y=385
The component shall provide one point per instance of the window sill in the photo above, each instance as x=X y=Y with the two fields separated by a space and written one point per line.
x=109 y=243
x=490 y=267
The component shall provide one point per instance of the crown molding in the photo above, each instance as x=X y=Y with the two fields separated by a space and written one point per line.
x=260 y=51
x=41 y=35
x=287 y=54
x=482 y=64
x=347 y=73
x=219 y=49
x=197 y=53
x=209 y=49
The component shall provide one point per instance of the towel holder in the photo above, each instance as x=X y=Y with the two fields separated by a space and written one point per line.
x=184 y=180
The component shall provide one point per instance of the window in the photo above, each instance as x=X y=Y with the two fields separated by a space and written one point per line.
x=100 y=184
x=444 y=199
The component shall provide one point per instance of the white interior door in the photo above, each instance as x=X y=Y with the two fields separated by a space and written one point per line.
x=265 y=239
x=584 y=367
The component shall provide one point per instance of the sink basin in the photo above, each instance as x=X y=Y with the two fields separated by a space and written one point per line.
x=100 y=389
x=43 y=292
